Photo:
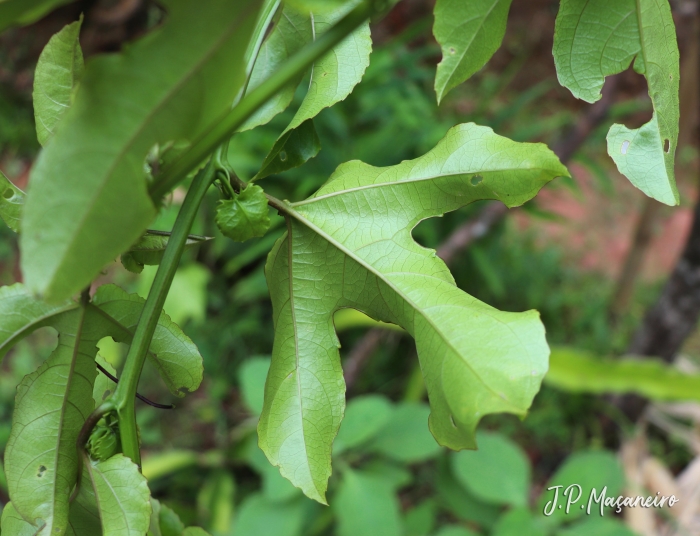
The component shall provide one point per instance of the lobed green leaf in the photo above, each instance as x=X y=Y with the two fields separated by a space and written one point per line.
x=350 y=245
x=57 y=74
x=594 y=39
x=469 y=33
x=90 y=181
x=51 y=406
x=173 y=353
x=11 y=203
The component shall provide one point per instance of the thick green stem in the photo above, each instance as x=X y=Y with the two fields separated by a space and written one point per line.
x=229 y=123
x=125 y=392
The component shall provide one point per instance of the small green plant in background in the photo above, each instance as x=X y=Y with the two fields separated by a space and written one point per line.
x=121 y=132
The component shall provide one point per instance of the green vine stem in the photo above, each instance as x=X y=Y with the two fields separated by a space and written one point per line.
x=229 y=123
x=124 y=395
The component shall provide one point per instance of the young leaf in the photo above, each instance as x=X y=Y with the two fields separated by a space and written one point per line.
x=51 y=406
x=595 y=39
x=195 y=531
x=332 y=80
x=169 y=522
x=469 y=33
x=89 y=182
x=22 y=313
x=11 y=202
x=122 y=495
x=23 y=12
x=521 y=522
x=291 y=150
x=58 y=71
x=350 y=245
x=245 y=216
x=149 y=250
x=172 y=352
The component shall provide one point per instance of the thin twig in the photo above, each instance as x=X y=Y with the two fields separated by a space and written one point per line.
x=140 y=397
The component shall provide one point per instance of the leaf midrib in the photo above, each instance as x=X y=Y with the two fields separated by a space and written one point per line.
x=409 y=181
x=299 y=217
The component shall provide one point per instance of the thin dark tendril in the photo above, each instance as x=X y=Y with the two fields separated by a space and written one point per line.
x=140 y=397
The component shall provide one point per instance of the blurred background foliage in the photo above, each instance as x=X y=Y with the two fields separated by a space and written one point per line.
x=561 y=254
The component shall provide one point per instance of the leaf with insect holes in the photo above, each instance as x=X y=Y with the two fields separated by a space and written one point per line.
x=245 y=216
x=52 y=403
x=469 y=33
x=57 y=74
x=123 y=496
x=350 y=245
x=11 y=203
x=90 y=182
x=332 y=79
x=596 y=38
x=149 y=249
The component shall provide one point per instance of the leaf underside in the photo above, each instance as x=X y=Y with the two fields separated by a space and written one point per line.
x=350 y=245
x=469 y=33
x=53 y=402
x=58 y=71
x=594 y=39
x=89 y=182
x=11 y=202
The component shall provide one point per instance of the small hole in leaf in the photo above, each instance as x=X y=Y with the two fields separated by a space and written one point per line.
x=667 y=146
x=42 y=470
x=452 y=50
x=283 y=156
x=670 y=77
x=476 y=179
x=625 y=146
x=8 y=193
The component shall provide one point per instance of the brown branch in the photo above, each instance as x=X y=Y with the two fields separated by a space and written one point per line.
x=624 y=287
x=489 y=216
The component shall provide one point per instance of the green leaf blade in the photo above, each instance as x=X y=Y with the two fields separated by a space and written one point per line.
x=173 y=353
x=469 y=33
x=165 y=87
x=58 y=71
x=350 y=245
x=594 y=39
x=122 y=495
x=291 y=150
x=51 y=406
x=11 y=203
x=22 y=313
